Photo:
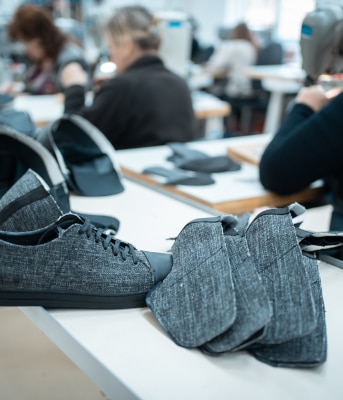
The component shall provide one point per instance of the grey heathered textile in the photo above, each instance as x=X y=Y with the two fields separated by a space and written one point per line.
x=27 y=205
x=196 y=301
x=75 y=262
x=254 y=310
x=277 y=255
x=309 y=350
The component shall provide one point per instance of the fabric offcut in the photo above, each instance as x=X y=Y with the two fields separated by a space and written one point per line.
x=21 y=206
x=273 y=300
x=254 y=310
x=309 y=350
x=196 y=301
x=278 y=259
x=189 y=159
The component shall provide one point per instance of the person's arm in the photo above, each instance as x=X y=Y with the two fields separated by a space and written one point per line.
x=109 y=109
x=73 y=80
x=307 y=147
x=74 y=99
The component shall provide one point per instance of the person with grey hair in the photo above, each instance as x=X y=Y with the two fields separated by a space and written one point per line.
x=144 y=104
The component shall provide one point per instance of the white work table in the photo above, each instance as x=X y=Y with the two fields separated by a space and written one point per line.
x=128 y=355
x=46 y=108
x=233 y=192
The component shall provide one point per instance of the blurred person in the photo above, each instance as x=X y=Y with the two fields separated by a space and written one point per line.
x=230 y=59
x=144 y=104
x=47 y=49
x=227 y=65
x=307 y=147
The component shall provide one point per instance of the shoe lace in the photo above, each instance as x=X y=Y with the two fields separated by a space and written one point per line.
x=118 y=246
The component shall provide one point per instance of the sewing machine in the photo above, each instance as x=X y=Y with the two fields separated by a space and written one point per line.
x=321 y=42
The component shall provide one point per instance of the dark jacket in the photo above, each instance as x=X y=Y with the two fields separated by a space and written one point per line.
x=147 y=105
x=308 y=147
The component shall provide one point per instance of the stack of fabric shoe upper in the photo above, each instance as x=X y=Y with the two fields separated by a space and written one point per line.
x=239 y=285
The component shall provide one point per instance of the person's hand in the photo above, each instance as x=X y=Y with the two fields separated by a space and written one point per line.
x=333 y=92
x=73 y=74
x=313 y=96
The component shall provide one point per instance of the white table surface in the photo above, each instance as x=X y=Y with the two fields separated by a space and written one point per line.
x=129 y=356
x=44 y=108
x=230 y=186
x=286 y=72
x=47 y=108
x=233 y=185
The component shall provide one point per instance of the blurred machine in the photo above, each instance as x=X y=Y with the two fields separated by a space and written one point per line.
x=176 y=36
x=321 y=42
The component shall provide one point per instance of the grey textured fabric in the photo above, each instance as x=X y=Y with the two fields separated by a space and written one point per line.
x=309 y=350
x=28 y=205
x=277 y=255
x=196 y=301
x=274 y=288
x=72 y=264
x=254 y=310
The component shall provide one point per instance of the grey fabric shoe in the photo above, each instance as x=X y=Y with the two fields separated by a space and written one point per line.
x=72 y=264
x=274 y=246
x=196 y=301
x=28 y=205
x=309 y=350
x=254 y=310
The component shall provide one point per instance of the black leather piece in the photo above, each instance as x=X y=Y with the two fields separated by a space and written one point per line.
x=161 y=263
x=180 y=177
x=211 y=164
x=102 y=221
x=194 y=160
x=83 y=157
x=18 y=153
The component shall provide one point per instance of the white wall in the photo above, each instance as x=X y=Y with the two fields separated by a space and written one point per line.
x=209 y=14
x=7 y=7
x=320 y=3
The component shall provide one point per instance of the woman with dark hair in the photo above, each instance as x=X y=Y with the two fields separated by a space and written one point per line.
x=48 y=50
x=145 y=104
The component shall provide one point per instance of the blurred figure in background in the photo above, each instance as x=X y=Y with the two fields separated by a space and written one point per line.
x=230 y=58
x=144 y=104
x=48 y=50
x=226 y=65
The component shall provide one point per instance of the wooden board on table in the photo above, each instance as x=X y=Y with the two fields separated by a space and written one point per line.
x=247 y=153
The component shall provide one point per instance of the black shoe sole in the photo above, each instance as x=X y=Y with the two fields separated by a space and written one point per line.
x=60 y=300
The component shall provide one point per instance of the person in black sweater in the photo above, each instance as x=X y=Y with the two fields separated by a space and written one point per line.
x=145 y=104
x=307 y=147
